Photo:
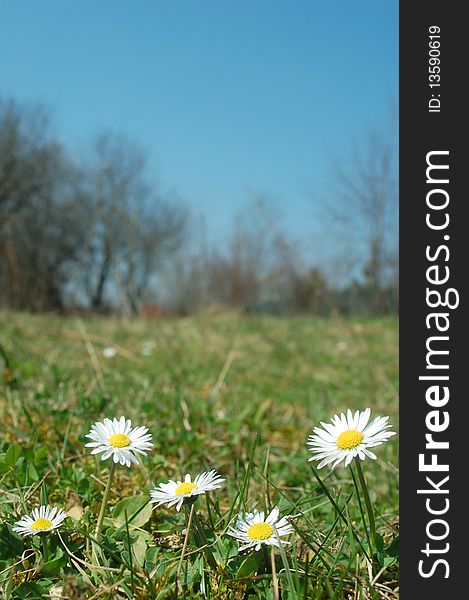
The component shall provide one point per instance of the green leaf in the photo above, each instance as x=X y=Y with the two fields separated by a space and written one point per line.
x=389 y=561
x=32 y=473
x=132 y=504
x=393 y=548
x=379 y=543
x=40 y=454
x=29 y=589
x=52 y=567
x=11 y=545
x=139 y=549
x=12 y=455
x=249 y=565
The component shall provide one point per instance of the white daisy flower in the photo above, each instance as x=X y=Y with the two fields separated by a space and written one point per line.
x=175 y=492
x=348 y=436
x=44 y=519
x=109 y=352
x=116 y=438
x=254 y=529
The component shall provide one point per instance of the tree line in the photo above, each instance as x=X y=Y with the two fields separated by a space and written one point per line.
x=71 y=231
x=99 y=235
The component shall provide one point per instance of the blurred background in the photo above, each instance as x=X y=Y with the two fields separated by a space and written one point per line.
x=164 y=158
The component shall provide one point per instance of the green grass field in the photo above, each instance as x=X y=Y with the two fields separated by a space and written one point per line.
x=221 y=391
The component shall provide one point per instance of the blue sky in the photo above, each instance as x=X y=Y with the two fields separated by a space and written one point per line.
x=229 y=98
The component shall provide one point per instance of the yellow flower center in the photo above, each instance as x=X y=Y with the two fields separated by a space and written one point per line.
x=184 y=488
x=260 y=531
x=349 y=439
x=119 y=440
x=41 y=524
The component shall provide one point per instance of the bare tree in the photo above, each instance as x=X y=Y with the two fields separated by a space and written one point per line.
x=63 y=231
x=131 y=229
x=25 y=156
x=155 y=234
x=38 y=239
x=363 y=212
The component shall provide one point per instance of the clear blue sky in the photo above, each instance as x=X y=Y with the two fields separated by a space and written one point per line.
x=226 y=96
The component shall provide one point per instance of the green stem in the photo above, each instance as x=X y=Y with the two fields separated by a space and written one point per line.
x=129 y=545
x=369 y=508
x=188 y=528
x=360 y=506
x=45 y=552
x=207 y=551
x=105 y=499
x=275 y=586
x=265 y=554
